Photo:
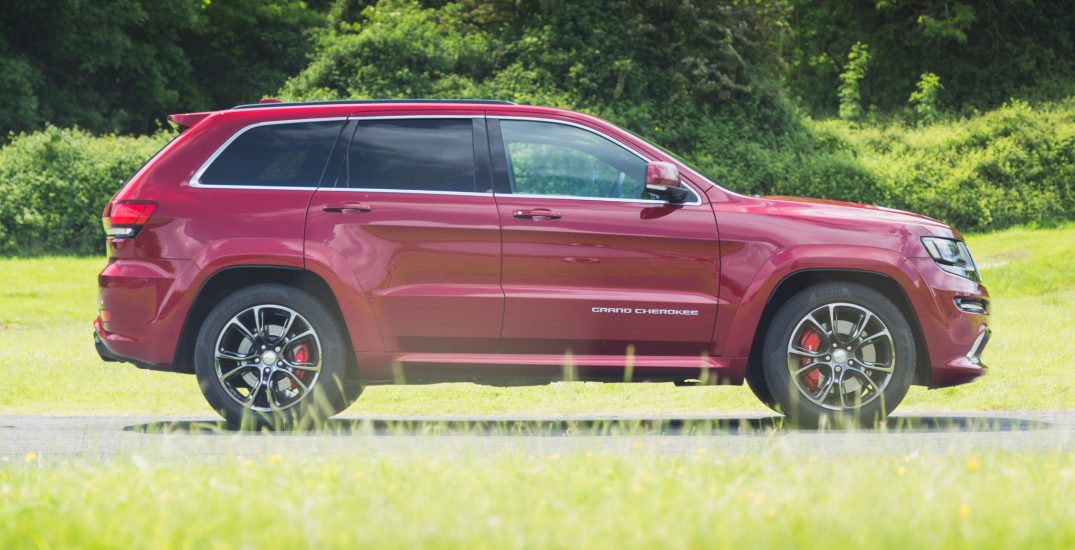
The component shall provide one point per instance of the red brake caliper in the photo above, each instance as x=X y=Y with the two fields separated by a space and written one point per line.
x=810 y=341
x=300 y=355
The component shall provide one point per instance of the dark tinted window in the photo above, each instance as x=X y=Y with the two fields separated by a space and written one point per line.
x=413 y=154
x=546 y=158
x=278 y=155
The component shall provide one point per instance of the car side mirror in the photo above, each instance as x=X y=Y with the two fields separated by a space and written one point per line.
x=662 y=181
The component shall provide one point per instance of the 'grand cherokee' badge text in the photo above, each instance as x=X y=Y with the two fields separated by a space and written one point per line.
x=644 y=311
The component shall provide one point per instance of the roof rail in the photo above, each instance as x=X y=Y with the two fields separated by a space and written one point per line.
x=371 y=101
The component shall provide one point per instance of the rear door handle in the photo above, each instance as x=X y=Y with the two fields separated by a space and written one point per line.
x=346 y=207
x=537 y=214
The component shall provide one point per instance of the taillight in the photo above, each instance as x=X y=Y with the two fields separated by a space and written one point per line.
x=123 y=220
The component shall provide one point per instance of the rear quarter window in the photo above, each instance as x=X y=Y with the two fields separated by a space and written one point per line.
x=291 y=154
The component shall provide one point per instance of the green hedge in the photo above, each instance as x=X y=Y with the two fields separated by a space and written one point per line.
x=1013 y=165
x=55 y=183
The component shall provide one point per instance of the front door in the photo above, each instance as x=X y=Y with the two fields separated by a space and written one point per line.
x=411 y=212
x=592 y=265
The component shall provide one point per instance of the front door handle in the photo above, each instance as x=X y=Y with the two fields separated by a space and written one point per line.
x=537 y=214
x=346 y=207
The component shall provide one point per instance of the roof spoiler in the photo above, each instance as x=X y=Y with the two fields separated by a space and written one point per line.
x=186 y=120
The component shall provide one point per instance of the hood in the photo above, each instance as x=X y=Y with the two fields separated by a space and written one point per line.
x=850 y=210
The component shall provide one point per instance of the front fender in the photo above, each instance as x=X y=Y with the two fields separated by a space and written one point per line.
x=738 y=319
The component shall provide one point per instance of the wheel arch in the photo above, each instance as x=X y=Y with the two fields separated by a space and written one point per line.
x=797 y=281
x=230 y=279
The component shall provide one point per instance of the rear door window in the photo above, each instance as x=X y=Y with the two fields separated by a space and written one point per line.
x=434 y=154
x=289 y=154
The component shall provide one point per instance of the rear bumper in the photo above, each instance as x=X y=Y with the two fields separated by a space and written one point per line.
x=141 y=307
x=109 y=356
x=102 y=351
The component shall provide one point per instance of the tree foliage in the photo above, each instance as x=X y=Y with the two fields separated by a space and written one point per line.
x=732 y=86
x=243 y=50
x=926 y=98
x=858 y=62
x=986 y=52
x=97 y=65
x=688 y=75
x=123 y=65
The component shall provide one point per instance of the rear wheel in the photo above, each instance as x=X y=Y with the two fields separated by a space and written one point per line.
x=838 y=351
x=273 y=355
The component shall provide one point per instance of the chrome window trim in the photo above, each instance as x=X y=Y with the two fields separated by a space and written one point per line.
x=199 y=185
x=658 y=202
x=403 y=191
x=390 y=117
x=196 y=179
x=697 y=196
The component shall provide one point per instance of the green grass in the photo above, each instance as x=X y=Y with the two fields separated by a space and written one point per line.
x=284 y=496
x=46 y=305
x=582 y=499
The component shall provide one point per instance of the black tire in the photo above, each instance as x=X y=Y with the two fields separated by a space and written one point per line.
x=791 y=399
x=755 y=379
x=333 y=388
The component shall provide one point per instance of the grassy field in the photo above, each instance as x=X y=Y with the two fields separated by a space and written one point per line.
x=578 y=500
x=46 y=305
x=589 y=497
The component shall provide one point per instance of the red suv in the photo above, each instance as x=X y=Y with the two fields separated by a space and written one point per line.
x=289 y=253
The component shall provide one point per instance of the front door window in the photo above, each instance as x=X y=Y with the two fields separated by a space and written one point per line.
x=556 y=159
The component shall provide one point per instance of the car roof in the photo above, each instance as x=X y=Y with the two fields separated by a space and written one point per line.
x=280 y=111
x=278 y=104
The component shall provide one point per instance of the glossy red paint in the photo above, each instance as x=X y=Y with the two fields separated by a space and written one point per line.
x=186 y=120
x=430 y=274
x=514 y=368
x=662 y=173
x=564 y=281
x=509 y=283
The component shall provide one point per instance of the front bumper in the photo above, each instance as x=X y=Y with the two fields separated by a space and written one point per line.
x=965 y=368
x=955 y=333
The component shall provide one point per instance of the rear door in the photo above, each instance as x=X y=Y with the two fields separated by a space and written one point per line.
x=409 y=208
x=591 y=263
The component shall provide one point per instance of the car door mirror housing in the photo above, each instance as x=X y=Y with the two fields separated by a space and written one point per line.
x=662 y=181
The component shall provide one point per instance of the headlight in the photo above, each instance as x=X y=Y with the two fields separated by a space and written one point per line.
x=952 y=256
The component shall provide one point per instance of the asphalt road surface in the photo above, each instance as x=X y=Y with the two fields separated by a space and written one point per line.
x=56 y=438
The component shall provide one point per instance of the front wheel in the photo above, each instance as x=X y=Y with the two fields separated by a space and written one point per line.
x=838 y=351
x=273 y=355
